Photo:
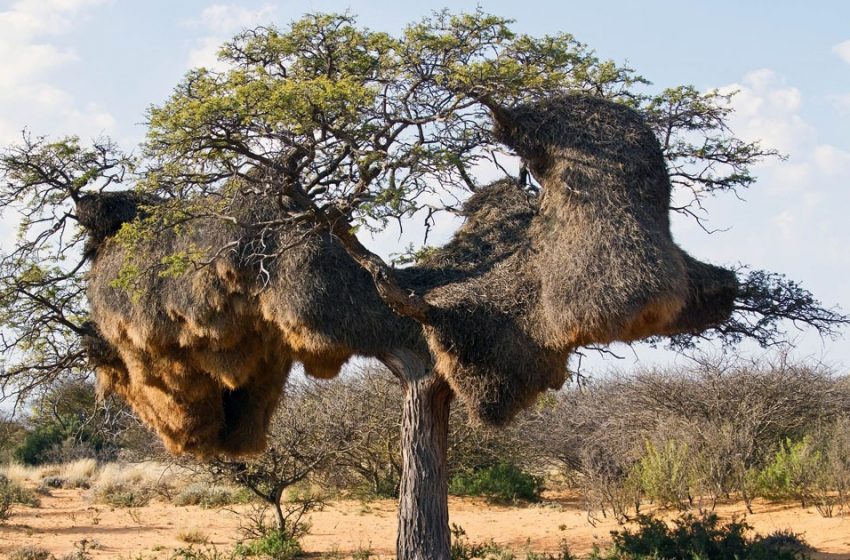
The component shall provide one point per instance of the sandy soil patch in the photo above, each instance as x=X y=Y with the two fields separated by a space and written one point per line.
x=68 y=517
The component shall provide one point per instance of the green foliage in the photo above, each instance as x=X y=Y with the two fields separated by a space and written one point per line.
x=502 y=482
x=67 y=418
x=36 y=443
x=665 y=474
x=12 y=434
x=367 y=119
x=793 y=472
x=275 y=544
x=696 y=538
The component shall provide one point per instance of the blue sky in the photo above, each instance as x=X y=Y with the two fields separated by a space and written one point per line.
x=93 y=66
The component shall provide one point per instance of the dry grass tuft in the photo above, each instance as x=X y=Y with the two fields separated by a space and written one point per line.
x=193 y=536
x=19 y=473
x=78 y=474
x=209 y=495
x=131 y=485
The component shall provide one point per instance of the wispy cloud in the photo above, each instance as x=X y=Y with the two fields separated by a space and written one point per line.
x=767 y=109
x=28 y=58
x=220 y=22
x=843 y=50
x=805 y=196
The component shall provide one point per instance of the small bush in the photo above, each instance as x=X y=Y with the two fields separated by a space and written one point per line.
x=784 y=540
x=30 y=552
x=206 y=495
x=5 y=506
x=563 y=554
x=193 y=536
x=793 y=472
x=697 y=538
x=12 y=492
x=275 y=544
x=130 y=485
x=37 y=443
x=123 y=494
x=462 y=549
x=665 y=474
x=502 y=482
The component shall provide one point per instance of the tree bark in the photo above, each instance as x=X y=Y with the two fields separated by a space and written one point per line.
x=423 y=513
x=281 y=521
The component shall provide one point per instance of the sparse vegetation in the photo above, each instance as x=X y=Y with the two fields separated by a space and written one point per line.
x=211 y=495
x=30 y=552
x=12 y=492
x=129 y=485
x=463 y=549
x=678 y=440
x=682 y=438
x=204 y=552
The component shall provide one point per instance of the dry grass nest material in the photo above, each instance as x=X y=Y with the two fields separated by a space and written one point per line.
x=528 y=278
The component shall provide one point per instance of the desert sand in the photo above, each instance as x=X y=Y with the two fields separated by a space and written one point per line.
x=66 y=518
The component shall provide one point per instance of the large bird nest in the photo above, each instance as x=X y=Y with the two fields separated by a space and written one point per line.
x=528 y=278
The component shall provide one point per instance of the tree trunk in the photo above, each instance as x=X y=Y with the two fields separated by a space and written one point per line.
x=423 y=513
x=278 y=511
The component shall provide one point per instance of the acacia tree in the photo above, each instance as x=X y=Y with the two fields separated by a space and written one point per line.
x=339 y=128
x=305 y=438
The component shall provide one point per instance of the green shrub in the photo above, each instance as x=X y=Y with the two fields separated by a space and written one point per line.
x=37 y=443
x=275 y=544
x=793 y=472
x=502 y=481
x=665 y=474
x=699 y=538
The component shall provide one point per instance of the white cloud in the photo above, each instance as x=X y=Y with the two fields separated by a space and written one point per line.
x=767 y=110
x=831 y=161
x=205 y=54
x=220 y=22
x=227 y=18
x=843 y=51
x=794 y=219
x=28 y=97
